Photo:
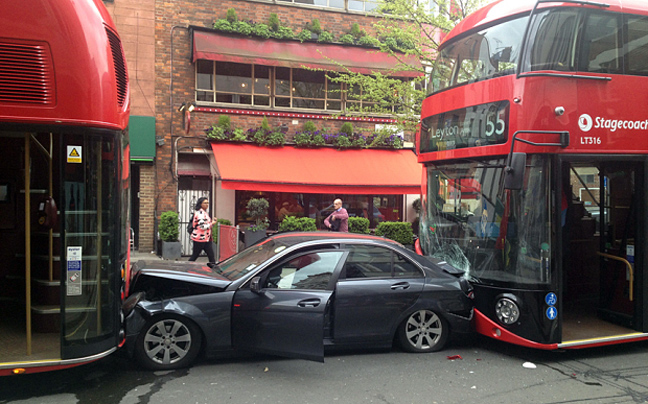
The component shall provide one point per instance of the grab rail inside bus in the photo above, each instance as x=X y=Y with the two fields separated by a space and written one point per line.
x=630 y=270
x=516 y=162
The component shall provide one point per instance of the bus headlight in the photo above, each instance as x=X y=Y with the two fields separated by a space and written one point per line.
x=507 y=311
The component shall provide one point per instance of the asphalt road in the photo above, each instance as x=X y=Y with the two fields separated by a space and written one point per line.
x=484 y=371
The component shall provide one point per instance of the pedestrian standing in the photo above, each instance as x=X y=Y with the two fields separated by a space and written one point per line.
x=202 y=231
x=339 y=219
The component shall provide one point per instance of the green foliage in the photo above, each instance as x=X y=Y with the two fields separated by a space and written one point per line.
x=309 y=126
x=242 y=27
x=390 y=42
x=284 y=33
x=223 y=25
x=304 y=35
x=225 y=122
x=303 y=139
x=265 y=125
x=273 y=22
x=368 y=41
x=315 y=26
x=347 y=39
x=231 y=15
x=260 y=136
x=416 y=204
x=318 y=140
x=292 y=223
x=359 y=225
x=216 y=132
x=342 y=142
x=386 y=137
x=215 y=228
x=257 y=209
x=398 y=231
x=356 y=32
x=275 y=138
x=168 y=228
x=239 y=135
x=347 y=127
x=261 y=30
x=358 y=141
x=325 y=36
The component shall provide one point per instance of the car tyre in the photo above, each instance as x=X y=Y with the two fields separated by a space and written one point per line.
x=423 y=331
x=168 y=342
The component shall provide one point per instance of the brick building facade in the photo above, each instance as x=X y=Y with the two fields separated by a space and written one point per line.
x=169 y=64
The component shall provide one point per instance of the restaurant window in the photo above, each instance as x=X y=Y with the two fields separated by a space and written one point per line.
x=280 y=87
x=375 y=208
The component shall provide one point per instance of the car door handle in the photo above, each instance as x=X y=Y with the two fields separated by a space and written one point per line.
x=400 y=285
x=309 y=303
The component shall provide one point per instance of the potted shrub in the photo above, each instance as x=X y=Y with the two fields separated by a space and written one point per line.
x=169 y=232
x=359 y=225
x=257 y=209
x=397 y=231
x=292 y=223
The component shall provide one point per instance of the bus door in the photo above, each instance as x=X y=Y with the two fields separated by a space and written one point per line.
x=600 y=220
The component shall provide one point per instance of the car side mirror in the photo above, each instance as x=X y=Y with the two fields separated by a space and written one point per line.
x=255 y=285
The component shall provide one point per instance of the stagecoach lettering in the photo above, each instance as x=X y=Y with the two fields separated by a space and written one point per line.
x=614 y=124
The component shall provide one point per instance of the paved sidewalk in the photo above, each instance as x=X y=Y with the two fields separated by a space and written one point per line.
x=151 y=256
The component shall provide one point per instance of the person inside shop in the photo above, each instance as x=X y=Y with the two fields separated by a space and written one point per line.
x=339 y=219
x=202 y=231
x=284 y=211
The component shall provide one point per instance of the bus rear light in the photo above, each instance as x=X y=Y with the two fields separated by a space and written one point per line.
x=507 y=311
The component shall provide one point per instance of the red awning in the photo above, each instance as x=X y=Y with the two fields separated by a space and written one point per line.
x=321 y=170
x=210 y=45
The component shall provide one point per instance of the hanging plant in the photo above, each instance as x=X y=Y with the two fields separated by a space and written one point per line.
x=325 y=36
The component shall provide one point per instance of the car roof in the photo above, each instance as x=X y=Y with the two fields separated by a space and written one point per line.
x=294 y=238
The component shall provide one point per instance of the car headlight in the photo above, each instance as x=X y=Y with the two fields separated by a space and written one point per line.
x=507 y=311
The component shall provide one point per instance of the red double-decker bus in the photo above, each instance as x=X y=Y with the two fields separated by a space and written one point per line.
x=64 y=184
x=534 y=142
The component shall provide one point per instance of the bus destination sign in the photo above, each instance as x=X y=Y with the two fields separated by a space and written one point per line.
x=479 y=125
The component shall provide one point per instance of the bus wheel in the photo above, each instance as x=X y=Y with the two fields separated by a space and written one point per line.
x=169 y=342
x=423 y=331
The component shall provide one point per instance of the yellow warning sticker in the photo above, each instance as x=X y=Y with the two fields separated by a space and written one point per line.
x=74 y=154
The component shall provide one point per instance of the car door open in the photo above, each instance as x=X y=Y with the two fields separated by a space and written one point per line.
x=281 y=311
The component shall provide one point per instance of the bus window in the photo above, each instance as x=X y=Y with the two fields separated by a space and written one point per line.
x=552 y=37
x=488 y=53
x=637 y=39
x=601 y=45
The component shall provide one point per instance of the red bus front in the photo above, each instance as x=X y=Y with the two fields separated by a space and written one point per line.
x=549 y=226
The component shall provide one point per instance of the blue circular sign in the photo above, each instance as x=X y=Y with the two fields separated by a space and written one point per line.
x=551 y=299
x=552 y=313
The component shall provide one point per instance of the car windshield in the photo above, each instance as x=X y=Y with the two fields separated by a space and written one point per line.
x=242 y=263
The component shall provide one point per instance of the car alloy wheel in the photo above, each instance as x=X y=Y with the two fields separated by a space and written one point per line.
x=169 y=342
x=423 y=331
